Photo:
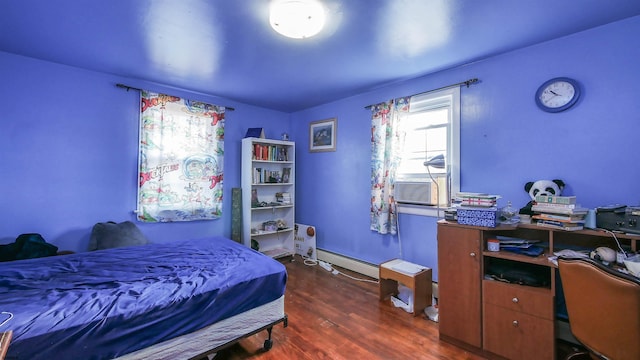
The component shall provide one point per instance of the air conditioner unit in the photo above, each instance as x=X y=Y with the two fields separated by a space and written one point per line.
x=413 y=192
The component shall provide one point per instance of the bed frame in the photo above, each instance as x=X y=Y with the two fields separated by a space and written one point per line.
x=218 y=336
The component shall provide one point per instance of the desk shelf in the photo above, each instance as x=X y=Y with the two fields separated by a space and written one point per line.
x=542 y=259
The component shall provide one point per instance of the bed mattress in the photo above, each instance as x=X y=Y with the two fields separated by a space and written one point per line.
x=107 y=303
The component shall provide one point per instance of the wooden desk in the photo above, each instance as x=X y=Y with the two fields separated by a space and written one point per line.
x=419 y=283
x=494 y=318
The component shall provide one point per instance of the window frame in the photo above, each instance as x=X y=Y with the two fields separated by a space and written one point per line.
x=452 y=159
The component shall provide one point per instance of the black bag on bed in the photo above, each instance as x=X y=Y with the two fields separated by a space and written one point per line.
x=27 y=246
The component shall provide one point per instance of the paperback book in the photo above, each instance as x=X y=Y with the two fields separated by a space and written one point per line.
x=556 y=206
x=566 y=218
x=559 y=210
x=555 y=199
x=476 y=199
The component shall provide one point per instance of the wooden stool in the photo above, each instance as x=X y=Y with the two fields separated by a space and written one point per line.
x=392 y=272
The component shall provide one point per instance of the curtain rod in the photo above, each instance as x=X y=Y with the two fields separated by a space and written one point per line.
x=127 y=87
x=468 y=83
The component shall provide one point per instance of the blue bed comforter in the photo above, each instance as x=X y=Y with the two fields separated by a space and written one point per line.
x=106 y=303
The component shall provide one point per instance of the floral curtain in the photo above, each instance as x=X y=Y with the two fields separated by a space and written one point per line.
x=180 y=159
x=386 y=146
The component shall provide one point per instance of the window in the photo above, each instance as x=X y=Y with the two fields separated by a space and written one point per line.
x=181 y=158
x=431 y=129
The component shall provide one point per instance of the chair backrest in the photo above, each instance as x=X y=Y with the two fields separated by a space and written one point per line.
x=603 y=306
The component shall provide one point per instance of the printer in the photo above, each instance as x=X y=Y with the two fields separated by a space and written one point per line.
x=621 y=218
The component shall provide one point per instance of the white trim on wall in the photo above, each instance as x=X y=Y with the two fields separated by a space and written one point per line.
x=358 y=266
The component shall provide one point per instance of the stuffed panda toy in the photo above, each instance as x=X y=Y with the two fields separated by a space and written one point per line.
x=541 y=187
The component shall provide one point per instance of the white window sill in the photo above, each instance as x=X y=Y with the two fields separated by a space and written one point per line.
x=422 y=210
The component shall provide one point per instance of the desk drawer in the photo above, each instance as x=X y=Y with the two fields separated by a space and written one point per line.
x=516 y=335
x=526 y=299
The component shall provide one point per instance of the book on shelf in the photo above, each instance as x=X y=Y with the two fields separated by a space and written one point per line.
x=553 y=199
x=559 y=210
x=270 y=152
x=560 y=225
x=260 y=152
x=257 y=175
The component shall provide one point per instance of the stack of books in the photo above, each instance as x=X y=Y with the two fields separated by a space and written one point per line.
x=477 y=209
x=270 y=152
x=476 y=199
x=283 y=198
x=559 y=212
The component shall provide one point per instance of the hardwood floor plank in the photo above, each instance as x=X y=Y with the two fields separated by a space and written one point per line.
x=334 y=317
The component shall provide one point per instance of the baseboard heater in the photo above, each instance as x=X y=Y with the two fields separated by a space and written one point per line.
x=359 y=266
x=348 y=263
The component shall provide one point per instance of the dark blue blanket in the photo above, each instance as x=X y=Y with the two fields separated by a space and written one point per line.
x=106 y=303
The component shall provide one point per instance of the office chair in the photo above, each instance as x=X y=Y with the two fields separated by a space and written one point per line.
x=604 y=308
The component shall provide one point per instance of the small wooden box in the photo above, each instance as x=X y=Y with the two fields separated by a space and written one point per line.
x=391 y=274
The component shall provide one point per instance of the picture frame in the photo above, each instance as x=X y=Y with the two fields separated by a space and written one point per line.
x=323 y=135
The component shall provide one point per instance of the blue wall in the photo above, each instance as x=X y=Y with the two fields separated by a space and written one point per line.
x=506 y=140
x=68 y=151
x=68 y=145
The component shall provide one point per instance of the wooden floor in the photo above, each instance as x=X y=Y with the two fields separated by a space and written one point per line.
x=334 y=317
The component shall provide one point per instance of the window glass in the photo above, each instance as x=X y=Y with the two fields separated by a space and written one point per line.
x=425 y=137
x=432 y=129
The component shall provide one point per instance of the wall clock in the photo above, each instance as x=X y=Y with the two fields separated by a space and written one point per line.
x=557 y=94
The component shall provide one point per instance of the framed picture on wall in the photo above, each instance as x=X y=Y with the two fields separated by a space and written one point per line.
x=322 y=135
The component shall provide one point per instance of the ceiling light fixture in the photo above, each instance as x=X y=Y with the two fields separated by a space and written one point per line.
x=298 y=19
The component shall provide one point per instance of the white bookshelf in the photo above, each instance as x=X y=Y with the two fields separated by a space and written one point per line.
x=263 y=168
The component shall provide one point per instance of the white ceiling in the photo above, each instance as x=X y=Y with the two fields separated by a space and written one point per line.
x=226 y=47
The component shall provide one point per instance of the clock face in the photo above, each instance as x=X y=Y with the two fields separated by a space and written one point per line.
x=557 y=94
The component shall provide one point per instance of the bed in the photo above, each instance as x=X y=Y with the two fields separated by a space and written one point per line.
x=177 y=300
